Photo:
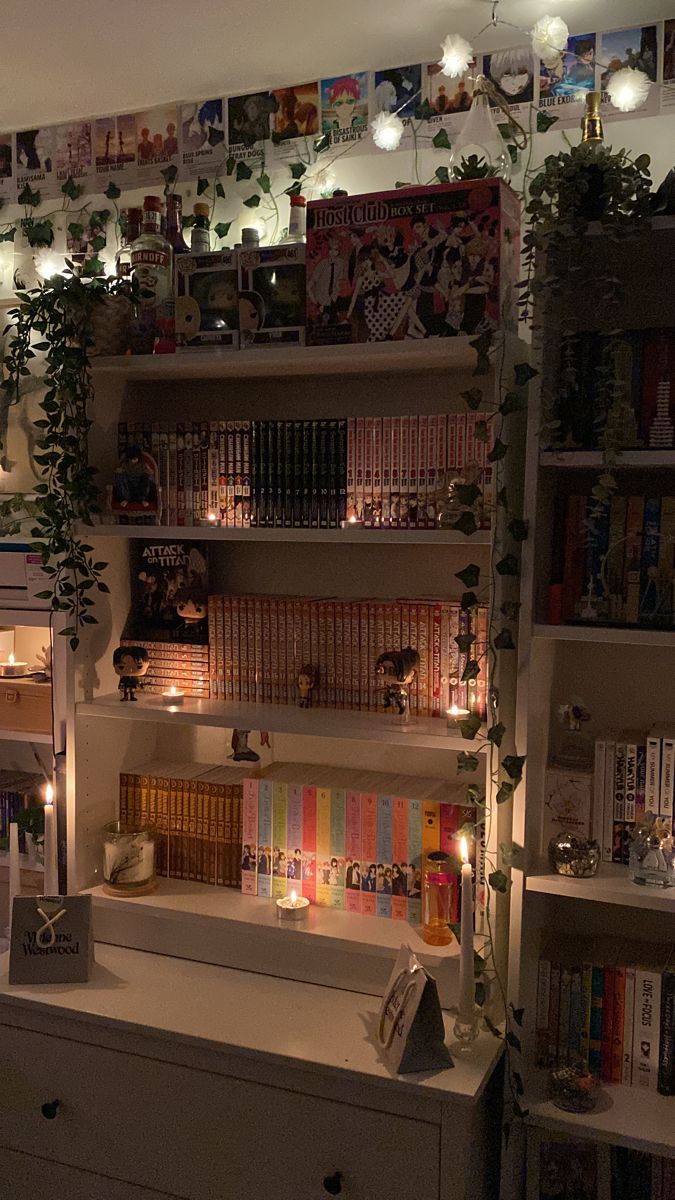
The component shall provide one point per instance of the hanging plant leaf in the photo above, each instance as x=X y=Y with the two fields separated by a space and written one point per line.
x=513 y=765
x=523 y=373
x=466 y=494
x=514 y=1041
x=99 y=217
x=498 y=451
x=71 y=189
x=441 y=141
x=264 y=183
x=297 y=170
x=469 y=727
x=504 y=793
x=513 y=402
x=466 y=524
x=93 y=267
x=188 y=222
x=243 y=171
x=481 y=432
x=465 y=641
x=508 y=565
x=468 y=601
x=39 y=233
x=222 y=229
x=545 y=121
x=294 y=190
x=230 y=164
x=518 y=529
x=467 y=762
x=169 y=174
x=76 y=230
x=496 y=734
x=513 y=152
x=28 y=198
x=502 y=498
x=202 y=186
x=510 y=609
x=518 y=1015
x=470 y=576
x=442 y=174
x=505 y=130
x=321 y=143
x=400 y=184
x=112 y=192
x=424 y=111
x=482 y=345
x=504 y=640
x=8 y=235
x=247 y=139
x=216 y=136
x=473 y=398
x=253 y=201
x=499 y=882
x=220 y=190
x=98 y=243
x=471 y=671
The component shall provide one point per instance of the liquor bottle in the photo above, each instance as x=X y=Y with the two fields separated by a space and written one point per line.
x=151 y=263
x=174 y=224
x=200 y=241
x=131 y=220
x=592 y=203
x=250 y=238
x=591 y=122
x=297 y=221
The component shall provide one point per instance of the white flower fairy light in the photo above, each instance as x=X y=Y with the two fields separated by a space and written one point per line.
x=387 y=130
x=628 y=89
x=457 y=55
x=549 y=39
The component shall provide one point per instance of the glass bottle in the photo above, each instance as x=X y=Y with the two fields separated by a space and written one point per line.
x=479 y=137
x=250 y=238
x=151 y=267
x=200 y=241
x=592 y=132
x=297 y=221
x=174 y=224
x=131 y=220
x=591 y=204
x=439 y=877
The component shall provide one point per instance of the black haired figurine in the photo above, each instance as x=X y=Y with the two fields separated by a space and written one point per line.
x=131 y=664
x=396 y=670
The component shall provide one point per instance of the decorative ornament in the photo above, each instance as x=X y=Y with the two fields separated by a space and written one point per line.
x=549 y=39
x=479 y=139
x=574 y=856
x=457 y=55
x=387 y=130
x=628 y=89
x=573 y=1089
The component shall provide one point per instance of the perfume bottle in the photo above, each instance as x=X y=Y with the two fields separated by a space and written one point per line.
x=439 y=877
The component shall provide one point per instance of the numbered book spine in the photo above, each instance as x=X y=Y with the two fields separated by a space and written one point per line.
x=598 y=791
x=413 y=470
x=294 y=839
x=309 y=863
x=386 y=471
x=586 y=1005
x=369 y=854
x=279 y=838
x=384 y=856
x=323 y=806
x=653 y=776
x=597 y=999
x=608 y=822
x=353 y=862
x=338 y=798
x=554 y=1015
x=246 y=476
x=341 y=483
x=431 y=469
x=576 y=1016
x=399 y=854
x=414 y=889
x=422 y=469
x=630 y=794
x=395 y=491
x=377 y=471
x=404 y=476
x=265 y=795
x=618 y=1018
x=607 y=1025
x=351 y=469
x=324 y=469
x=541 y=1033
x=214 y=469
x=368 y=446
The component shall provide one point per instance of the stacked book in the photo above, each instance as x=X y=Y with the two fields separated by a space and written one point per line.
x=617 y=390
x=347 y=839
x=195 y=809
x=594 y=1170
x=18 y=790
x=378 y=471
x=613 y=563
x=610 y=1008
x=175 y=664
x=260 y=645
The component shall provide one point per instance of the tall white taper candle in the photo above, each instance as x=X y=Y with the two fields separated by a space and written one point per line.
x=467 y=987
x=51 y=884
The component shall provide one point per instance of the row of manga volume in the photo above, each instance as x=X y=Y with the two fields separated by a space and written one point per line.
x=612 y=564
x=196 y=811
x=19 y=790
x=609 y=1008
x=174 y=664
x=561 y=1168
x=616 y=390
x=287 y=650
x=347 y=839
x=392 y=472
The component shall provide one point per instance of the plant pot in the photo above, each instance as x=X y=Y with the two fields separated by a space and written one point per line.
x=110 y=321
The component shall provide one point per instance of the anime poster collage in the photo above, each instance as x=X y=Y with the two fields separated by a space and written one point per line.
x=131 y=149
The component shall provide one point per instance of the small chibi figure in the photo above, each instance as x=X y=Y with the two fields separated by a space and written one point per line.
x=397 y=669
x=251 y=316
x=308 y=677
x=191 y=610
x=134 y=486
x=131 y=664
x=241 y=751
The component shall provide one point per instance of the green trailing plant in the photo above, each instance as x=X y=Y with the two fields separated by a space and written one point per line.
x=56 y=320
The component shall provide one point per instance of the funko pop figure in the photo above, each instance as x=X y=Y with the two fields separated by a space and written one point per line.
x=396 y=670
x=131 y=664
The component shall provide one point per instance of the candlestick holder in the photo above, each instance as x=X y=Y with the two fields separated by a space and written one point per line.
x=466 y=1031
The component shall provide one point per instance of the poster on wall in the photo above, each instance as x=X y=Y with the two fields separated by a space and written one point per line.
x=114 y=142
x=450 y=99
x=398 y=90
x=202 y=137
x=296 y=123
x=344 y=109
x=35 y=161
x=515 y=75
x=7 y=182
x=668 y=89
x=563 y=87
x=156 y=139
x=73 y=151
x=635 y=47
x=248 y=122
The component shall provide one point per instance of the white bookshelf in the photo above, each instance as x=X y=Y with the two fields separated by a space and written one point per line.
x=626 y=1116
x=350 y=535
x=624 y=459
x=612 y=885
x=605 y=635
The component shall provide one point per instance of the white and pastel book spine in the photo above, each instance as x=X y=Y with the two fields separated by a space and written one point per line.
x=354 y=865
x=323 y=804
x=628 y=1024
x=631 y=782
x=414 y=862
x=653 y=781
x=399 y=854
x=265 y=837
x=279 y=838
x=384 y=848
x=337 y=848
x=646 y=1025
x=667 y=775
x=294 y=839
x=608 y=818
x=598 y=791
x=249 y=837
x=368 y=853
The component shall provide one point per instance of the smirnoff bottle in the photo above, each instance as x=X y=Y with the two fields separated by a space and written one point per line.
x=151 y=265
x=132 y=220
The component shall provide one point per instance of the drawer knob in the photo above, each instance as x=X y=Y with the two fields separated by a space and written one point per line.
x=333 y=1184
x=50 y=1109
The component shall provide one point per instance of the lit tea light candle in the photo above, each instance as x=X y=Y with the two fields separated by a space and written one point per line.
x=351 y=523
x=51 y=883
x=454 y=715
x=212 y=521
x=12 y=668
x=172 y=697
x=293 y=907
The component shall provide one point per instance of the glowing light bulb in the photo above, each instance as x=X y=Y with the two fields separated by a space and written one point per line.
x=628 y=89
x=549 y=39
x=387 y=130
x=457 y=55
x=47 y=267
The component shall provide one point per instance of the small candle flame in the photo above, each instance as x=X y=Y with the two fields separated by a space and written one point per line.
x=49 y=794
x=454 y=711
x=352 y=520
x=464 y=850
x=294 y=897
x=212 y=516
x=11 y=660
x=172 y=690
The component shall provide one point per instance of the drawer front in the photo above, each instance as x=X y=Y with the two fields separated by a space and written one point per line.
x=202 y=1136
x=23 y=1177
x=25 y=707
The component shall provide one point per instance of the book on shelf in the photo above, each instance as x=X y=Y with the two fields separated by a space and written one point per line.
x=259 y=646
x=559 y=1166
x=382 y=472
x=19 y=790
x=633 y=780
x=613 y=564
x=609 y=1007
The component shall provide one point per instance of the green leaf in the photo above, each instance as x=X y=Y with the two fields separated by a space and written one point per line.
x=253 y=201
x=230 y=164
x=504 y=793
x=297 y=170
x=216 y=136
x=220 y=190
x=71 y=189
x=505 y=130
x=641 y=163
x=466 y=494
x=498 y=451
x=471 y=671
x=504 y=640
x=544 y=121
x=468 y=601
x=8 y=235
x=502 y=498
x=28 y=198
x=401 y=184
x=469 y=727
x=98 y=243
x=424 y=111
x=264 y=183
x=513 y=402
x=511 y=1038
x=40 y=233
x=508 y=565
x=243 y=171
x=294 y=190
x=473 y=398
x=499 y=882
x=469 y=576
x=466 y=524
x=496 y=734
x=517 y=529
x=222 y=229
x=169 y=174
x=513 y=152
x=442 y=174
x=513 y=765
x=441 y=141
x=202 y=186
x=467 y=762
x=518 y=1015
x=465 y=641
x=112 y=192
x=76 y=230
x=321 y=143
x=188 y=221
x=523 y=373
x=481 y=432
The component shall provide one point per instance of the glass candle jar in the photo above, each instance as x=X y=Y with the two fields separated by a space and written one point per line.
x=128 y=859
x=439 y=878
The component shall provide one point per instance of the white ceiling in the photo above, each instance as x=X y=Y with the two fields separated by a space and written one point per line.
x=68 y=58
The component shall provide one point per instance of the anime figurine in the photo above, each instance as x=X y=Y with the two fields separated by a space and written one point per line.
x=134 y=486
x=131 y=664
x=241 y=751
x=191 y=610
x=397 y=669
x=308 y=678
x=251 y=316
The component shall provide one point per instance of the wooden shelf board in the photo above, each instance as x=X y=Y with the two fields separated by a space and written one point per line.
x=25 y=735
x=625 y=1116
x=422 y=732
x=433 y=354
x=601 y=633
x=594 y=458
x=612 y=885
x=386 y=537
